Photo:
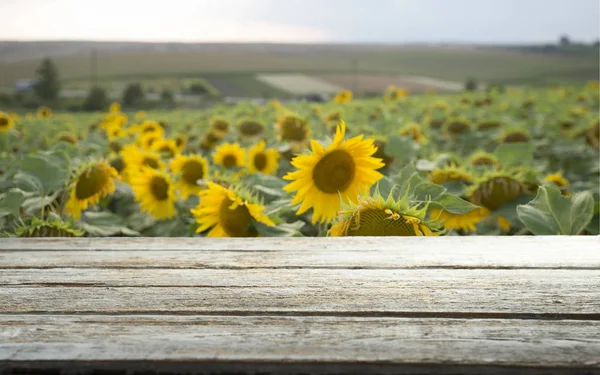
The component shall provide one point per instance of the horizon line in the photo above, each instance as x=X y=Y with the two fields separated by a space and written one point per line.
x=316 y=43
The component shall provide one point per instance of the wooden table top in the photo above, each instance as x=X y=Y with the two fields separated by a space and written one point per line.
x=468 y=305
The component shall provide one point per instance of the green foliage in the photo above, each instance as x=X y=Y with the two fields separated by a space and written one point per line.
x=471 y=84
x=47 y=86
x=167 y=99
x=133 y=95
x=515 y=154
x=96 y=100
x=551 y=213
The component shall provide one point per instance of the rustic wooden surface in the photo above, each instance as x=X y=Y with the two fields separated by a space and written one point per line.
x=364 y=305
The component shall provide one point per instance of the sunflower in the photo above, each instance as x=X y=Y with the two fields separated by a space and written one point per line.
x=343 y=97
x=293 y=130
x=209 y=141
x=327 y=174
x=230 y=155
x=380 y=153
x=155 y=192
x=68 y=138
x=114 y=131
x=44 y=112
x=413 y=130
x=228 y=213
x=559 y=181
x=115 y=108
x=450 y=173
x=515 y=136
x=333 y=116
x=147 y=140
x=135 y=160
x=192 y=168
x=465 y=222
x=489 y=124
x=166 y=147
x=6 y=122
x=261 y=160
x=251 y=129
x=378 y=216
x=151 y=127
x=456 y=126
x=482 y=158
x=181 y=142
x=94 y=182
x=394 y=93
x=492 y=191
x=15 y=116
x=48 y=228
x=219 y=127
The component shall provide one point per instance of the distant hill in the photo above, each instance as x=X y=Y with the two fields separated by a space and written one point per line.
x=237 y=66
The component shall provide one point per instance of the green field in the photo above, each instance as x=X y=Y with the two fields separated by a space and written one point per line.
x=167 y=65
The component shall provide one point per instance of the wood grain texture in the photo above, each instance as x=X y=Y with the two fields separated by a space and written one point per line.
x=256 y=291
x=336 y=305
x=405 y=252
x=298 y=339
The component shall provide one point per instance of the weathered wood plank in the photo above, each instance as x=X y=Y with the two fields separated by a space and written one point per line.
x=300 y=339
x=448 y=252
x=517 y=292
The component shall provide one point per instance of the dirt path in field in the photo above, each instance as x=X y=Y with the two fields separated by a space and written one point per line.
x=379 y=82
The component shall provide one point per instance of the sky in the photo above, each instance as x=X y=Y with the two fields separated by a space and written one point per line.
x=302 y=21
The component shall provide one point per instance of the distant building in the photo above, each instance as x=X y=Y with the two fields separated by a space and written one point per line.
x=25 y=85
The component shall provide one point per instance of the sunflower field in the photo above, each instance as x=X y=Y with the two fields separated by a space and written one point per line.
x=512 y=162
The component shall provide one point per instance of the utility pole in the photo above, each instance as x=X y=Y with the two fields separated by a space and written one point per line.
x=94 y=68
x=355 y=72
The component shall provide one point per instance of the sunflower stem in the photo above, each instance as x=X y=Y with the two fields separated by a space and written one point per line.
x=322 y=229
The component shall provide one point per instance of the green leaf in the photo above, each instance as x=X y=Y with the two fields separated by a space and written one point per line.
x=10 y=204
x=43 y=173
x=453 y=204
x=551 y=213
x=426 y=191
x=35 y=203
x=582 y=211
x=105 y=224
x=405 y=179
x=515 y=154
x=280 y=230
x=402 y=149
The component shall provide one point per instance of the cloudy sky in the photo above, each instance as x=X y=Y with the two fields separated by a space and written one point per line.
x=381 y=21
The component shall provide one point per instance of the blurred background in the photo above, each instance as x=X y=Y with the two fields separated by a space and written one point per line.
x=76 y=55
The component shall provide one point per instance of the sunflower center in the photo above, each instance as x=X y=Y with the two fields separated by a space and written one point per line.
x=236 y=222
x=483 y=161
x=457 y=127
x=221 y=125
x=516 y=137
x=229 y=161
x=91 y=182
x=192 y=172
x=3 y=122
x=260 y=161
x=150 y=162
x=48 y=231
x=294 y=131
x=167 y=151
x=497 y=191
x=118 y=164
x=334 y=172
x=251 y=128
x=159 y=188
x=374 y=222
